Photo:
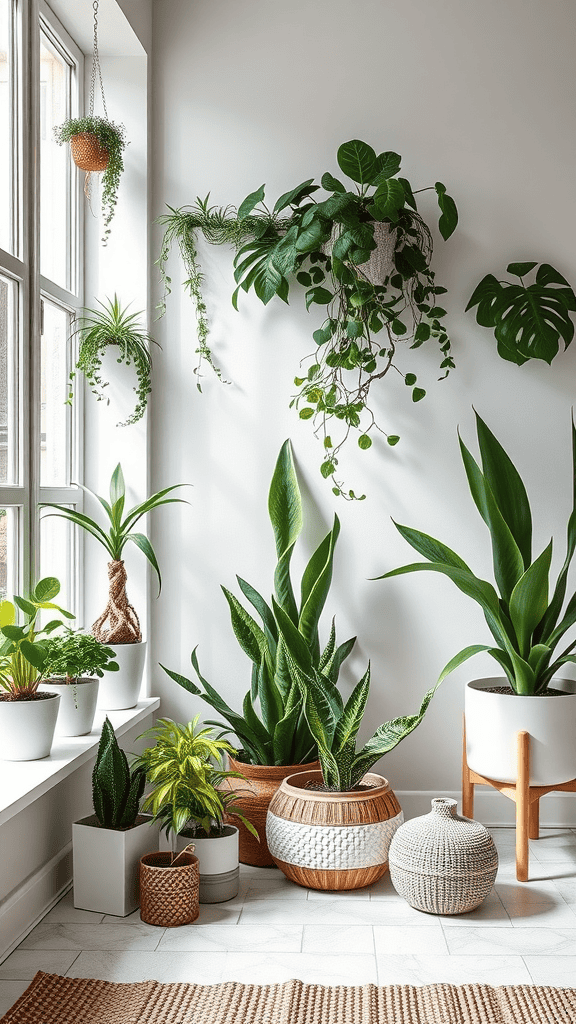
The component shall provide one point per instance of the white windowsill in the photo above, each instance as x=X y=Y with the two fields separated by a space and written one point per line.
x=22 y=782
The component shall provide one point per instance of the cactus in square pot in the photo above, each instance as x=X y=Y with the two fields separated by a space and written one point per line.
x=75 y=664
x=118 y=627
x=27 y=715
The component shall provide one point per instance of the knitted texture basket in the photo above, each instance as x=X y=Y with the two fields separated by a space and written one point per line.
x=169 y=896
x=441 y=862
x=87 y=152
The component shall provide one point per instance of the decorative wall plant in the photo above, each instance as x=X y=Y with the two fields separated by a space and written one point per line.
x=363 y=253
x=528 y=320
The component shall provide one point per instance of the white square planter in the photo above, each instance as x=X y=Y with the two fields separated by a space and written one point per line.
x=106 y=865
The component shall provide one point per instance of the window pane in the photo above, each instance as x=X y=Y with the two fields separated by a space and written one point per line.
x=6 y=126
x=8 y=382
x=56 y=556
x=8 y=551
x=55 y=415
x=55 y=75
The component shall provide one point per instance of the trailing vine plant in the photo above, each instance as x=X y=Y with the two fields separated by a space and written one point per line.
x=362 y=253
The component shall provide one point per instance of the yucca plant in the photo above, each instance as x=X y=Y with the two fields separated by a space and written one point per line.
x=526 y=625
x=116 y=789
x=334 y=724
x=272 y=727
x=24 y=648
x=184 y=769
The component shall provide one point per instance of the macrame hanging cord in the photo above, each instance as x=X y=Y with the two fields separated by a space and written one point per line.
x=96 y=73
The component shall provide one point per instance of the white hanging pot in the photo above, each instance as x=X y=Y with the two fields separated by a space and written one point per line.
x=77 y=705
x=120 y=690
x=27 y=728
x=493 y=721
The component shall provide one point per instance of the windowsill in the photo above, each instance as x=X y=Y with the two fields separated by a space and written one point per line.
x=22 y=782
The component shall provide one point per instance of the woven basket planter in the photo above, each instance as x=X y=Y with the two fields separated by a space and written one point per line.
x=87 y=153
x=255 y=792
x=442 y=863
x=169 y=895
x=334 y=841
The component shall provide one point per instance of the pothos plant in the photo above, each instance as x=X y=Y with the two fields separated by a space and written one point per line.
x=363 y=252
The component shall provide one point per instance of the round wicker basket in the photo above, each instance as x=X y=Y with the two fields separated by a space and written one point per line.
x=442 y=863
x=169 y=896
x=87 y=152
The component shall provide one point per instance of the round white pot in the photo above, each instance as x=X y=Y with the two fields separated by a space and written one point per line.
x=120 y=690
x=27 y=728
x=493 y=721
x=77 y=705
x=219 y=864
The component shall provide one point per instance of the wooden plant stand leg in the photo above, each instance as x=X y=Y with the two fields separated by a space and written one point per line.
x=467 y=784
x=522 y=797
x=534 y=819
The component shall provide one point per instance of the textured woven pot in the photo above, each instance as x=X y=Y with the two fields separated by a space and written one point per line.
x=327 y=840
x=443 y=863
x=87 y=152
x=169 y=895
x=255 y=792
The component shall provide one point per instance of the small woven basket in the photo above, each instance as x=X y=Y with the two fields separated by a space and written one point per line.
x=87 y=153
x=169 y=896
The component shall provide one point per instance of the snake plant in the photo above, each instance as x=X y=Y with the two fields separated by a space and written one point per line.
x=527 y=625
x=116 y=790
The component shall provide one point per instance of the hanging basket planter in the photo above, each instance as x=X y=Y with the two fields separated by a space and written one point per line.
x=87 y=153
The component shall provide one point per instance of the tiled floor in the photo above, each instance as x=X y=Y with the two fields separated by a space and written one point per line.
x=274 y=931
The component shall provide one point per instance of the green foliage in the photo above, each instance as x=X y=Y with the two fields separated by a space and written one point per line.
x=272 y=727
x=74 y=655
x=184 y=769
x=116 y=790
x=335 y=725
x=113 y=325
x=24 y=648
x=528 y=320
x=122 y=525
x=111 y=137
x=326 y=245
x=525 y=622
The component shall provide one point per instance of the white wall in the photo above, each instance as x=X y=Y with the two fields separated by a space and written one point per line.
x=479 y=96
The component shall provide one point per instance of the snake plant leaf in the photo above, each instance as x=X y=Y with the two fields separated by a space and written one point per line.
x=295 y=646
x=432 y=549
x=285 y=511
x=358 y=160
x=141 y=541
x=529 y=599
x=252 y=200
x=507 y=488
x=387 y=736
x=328 y=651
x=284 y=735
x=246 y=630
x=316 y=580
x=550 y=619
x=351 y=718
x=338 y=658
x=271 y=705
x=265 y=613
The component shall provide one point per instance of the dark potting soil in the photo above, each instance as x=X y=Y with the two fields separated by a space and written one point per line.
x=509 y=692
x=319 y=787
x=11 y=698
x=93 y=822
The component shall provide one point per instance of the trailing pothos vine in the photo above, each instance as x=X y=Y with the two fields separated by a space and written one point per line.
x=363 y=254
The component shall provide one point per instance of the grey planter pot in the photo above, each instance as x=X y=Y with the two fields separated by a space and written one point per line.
x=219 y=863
x=106 y=864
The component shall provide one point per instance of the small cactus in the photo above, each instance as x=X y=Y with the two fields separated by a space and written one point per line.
x=116 y=790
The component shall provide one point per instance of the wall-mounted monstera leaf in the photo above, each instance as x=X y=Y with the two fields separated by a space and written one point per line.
x=528 y=320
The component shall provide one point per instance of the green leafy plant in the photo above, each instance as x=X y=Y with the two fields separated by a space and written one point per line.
x=112 y=138
x=528 y=320
x=123 y=625
x=328 y=245
x=184 y=769
x=24 y=648
x=272 y=728
x=116 y=789
x=74 y=655
x=334 y=724
x=113 y=325
x=526 y=624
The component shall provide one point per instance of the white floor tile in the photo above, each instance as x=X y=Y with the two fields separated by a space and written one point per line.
x=92 y=936
x=538 y=916
x=409 y=941
x=219 y=913
x=263 y=890
x=521 y=941
x=10 y=991
x=337 y=913
x=66 y=911
x=245 y=938
x=322 y=937
x=454 y=970
x=546 y=853
x=314 y=968
x=490 y=914
x=552 y=970
x=23 y=963
x=348 y=895
x=201 y=968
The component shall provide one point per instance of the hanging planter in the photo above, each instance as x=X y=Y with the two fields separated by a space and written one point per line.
x=87 y=152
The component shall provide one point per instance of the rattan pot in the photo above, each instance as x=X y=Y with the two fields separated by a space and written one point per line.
x=87 y=153
x=443 y=863
x=329 y=840
x=169 y=895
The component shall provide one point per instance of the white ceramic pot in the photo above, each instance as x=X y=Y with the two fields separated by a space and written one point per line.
x=27 y=728
x=120 y=690
x=77 y=705
x=493 y=721
x=106 y=864
x=218 y=858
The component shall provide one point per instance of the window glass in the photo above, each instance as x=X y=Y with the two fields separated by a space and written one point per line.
x=56 y=556
x=8 y=551
x=55 y=418
x=8 y=385
x=6 y=126
x=55 y=81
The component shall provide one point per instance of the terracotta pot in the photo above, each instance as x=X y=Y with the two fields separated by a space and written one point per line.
x=87 y=153
x=328 y=840
x=254 y=796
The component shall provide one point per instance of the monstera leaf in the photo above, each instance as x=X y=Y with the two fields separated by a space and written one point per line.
x=528 y=320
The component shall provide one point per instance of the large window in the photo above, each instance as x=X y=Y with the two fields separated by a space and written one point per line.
x=40 y=292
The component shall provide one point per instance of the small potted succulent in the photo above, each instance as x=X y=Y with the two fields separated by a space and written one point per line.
x=97 y=144
x=118 y=627
x=185 y=774
x=75 y=664
x=108 y=845
x=27 y=715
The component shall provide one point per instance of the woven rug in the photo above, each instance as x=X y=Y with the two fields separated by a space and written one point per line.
x=51 y=999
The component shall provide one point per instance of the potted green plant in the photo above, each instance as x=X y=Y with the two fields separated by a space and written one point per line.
x=118 y=627
x=331 y=829
x=75 y=664
x=362 y=252
x=113 y=325
x=97 y=144
x=272 y=730
x=108 y=845
x=184 y=769
x=27 y=716
x=526 y=623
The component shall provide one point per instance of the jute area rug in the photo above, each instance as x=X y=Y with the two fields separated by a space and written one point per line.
x=51 y=999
